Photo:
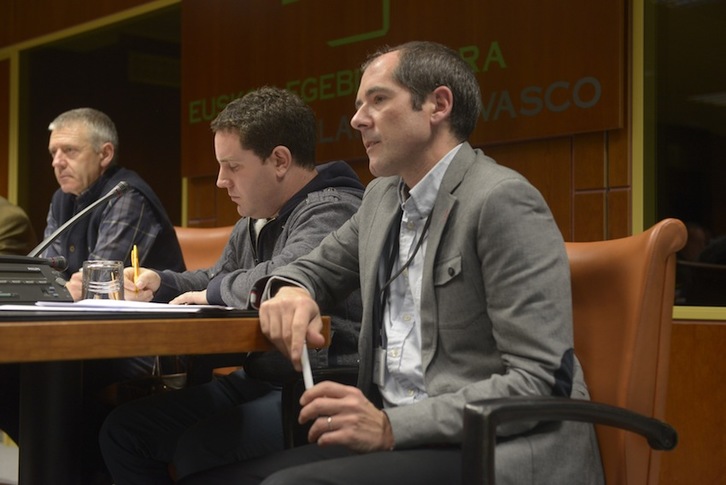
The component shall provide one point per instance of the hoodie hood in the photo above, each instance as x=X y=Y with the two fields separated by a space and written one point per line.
x=331 y=175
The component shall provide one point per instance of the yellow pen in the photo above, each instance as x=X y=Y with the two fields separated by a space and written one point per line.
x=135 y=264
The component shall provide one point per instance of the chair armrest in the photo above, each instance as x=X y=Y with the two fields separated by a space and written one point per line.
x=482 y=417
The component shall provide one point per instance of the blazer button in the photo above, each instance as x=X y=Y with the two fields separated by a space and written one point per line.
x=451 y=271
x=72 y=248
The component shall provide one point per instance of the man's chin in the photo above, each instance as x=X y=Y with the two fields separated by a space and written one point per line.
x=377 y=169
x=68 y=189
x=372 y=167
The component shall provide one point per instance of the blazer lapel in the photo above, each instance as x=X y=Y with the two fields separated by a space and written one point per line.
x=445 y=202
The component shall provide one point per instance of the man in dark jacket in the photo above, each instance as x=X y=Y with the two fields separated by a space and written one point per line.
x=83 y=144
x=265 y=146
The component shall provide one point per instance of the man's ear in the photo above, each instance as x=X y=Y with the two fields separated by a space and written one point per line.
x=281 y=158
x=443 y=100
x=107 y=152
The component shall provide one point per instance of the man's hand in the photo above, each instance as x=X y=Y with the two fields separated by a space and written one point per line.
x=75 y=285
x=343 y=416
x=289 y=320
x=191 y=298
x=146 y=285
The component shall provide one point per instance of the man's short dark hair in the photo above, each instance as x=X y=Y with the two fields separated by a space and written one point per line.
x=268 y=117
x=424 y=66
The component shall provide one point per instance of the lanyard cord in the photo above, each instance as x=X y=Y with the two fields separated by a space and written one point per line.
x=383 y=294
x=394 y=250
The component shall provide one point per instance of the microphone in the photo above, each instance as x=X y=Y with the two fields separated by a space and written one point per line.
x=58 y=263
x=119 y=189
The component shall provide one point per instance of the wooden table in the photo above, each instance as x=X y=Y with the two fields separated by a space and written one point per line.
x=51 y=348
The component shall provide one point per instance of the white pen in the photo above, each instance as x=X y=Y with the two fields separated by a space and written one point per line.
x=306 y=370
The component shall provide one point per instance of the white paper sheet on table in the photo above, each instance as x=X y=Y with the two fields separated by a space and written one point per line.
x=113 y=305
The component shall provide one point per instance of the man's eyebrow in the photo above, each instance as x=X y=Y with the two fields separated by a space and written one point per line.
x=370 y=92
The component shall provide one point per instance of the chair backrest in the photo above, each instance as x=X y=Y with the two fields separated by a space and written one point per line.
x=202 y=246
x=623 y=291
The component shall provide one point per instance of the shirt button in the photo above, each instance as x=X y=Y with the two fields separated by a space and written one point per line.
x=411 y=392
x=407 y=317
x=451 y=271
x=410 y=225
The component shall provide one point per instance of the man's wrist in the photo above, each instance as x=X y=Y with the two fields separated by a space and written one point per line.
x=266 y=288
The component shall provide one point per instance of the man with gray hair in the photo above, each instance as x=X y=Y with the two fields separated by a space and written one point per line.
x=84 y=150
x=84 y=147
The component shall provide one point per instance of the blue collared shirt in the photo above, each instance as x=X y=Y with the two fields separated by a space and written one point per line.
x=404 y=379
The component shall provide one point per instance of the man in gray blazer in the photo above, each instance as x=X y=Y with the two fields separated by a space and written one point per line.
x=466 y=293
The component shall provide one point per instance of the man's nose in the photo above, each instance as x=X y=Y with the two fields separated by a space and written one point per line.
x=359 y=119
x=58 y=159
x=222 y=182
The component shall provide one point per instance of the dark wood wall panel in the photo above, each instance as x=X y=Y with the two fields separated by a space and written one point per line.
x=589 y=217
x=228 y=210
x=361 y=168
x=695 y=405
x=619 y=164
x=201 y=201
x=589 y=171
x=27 y=19
x=559 y=143
x=618 y=221
x=547 y=164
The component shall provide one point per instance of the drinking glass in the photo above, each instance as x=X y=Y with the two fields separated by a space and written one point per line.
x=103 y=280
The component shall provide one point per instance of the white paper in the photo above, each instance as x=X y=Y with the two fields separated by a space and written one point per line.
x=112 y=305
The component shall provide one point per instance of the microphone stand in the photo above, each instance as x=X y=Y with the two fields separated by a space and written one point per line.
x=119 y=189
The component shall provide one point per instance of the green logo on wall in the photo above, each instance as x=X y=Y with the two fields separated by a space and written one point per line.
x=352 y=39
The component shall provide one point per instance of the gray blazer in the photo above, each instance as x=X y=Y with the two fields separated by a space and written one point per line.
x=496 y=313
